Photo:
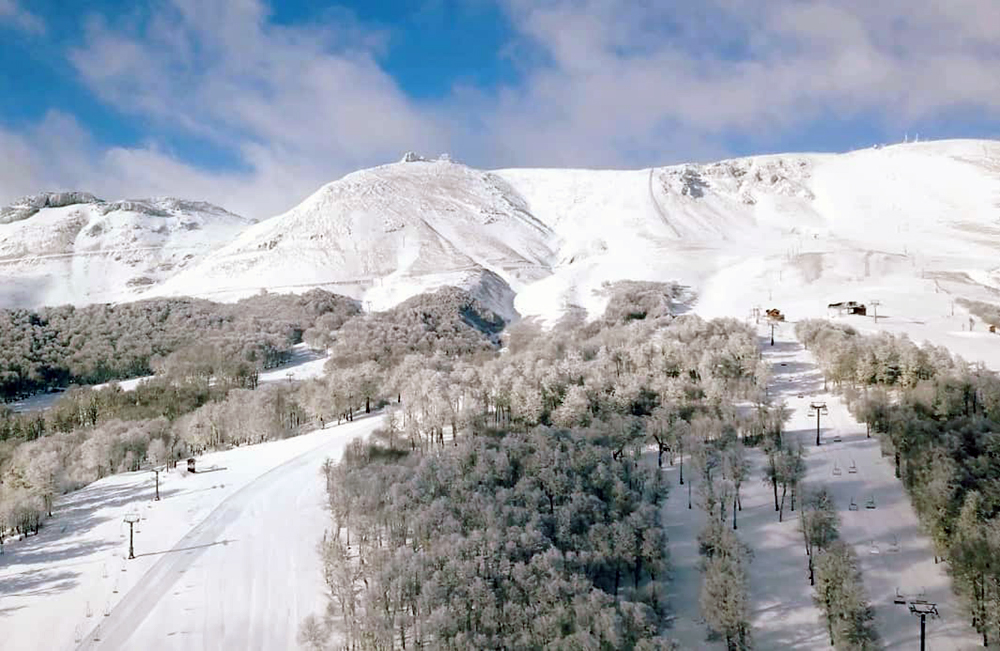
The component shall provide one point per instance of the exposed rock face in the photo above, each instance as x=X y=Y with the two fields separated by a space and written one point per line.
x=25 y=207
x=164 y=207
x=29 y=206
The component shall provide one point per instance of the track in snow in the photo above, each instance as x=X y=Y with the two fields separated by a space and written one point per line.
x=246 y=576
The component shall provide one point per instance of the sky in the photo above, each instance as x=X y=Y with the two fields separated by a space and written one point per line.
x=254 y=105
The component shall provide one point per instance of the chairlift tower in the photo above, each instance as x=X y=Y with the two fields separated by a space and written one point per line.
x=157 y=471
x=922 y=609
x=132 y=518
x=875 y=303
x=819 y=408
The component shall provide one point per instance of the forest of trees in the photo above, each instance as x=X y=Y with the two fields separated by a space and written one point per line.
x=938 y=417
x=55 y=347
x=507 y=502
x=205 y=398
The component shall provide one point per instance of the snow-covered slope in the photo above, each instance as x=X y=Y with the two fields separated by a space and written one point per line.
x=71 y=247
x=387 y=233
x=727 y=228
x=225 y=560
x=913 y=225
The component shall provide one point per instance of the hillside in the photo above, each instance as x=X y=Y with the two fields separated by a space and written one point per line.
x=386 y=233
x=72 y=247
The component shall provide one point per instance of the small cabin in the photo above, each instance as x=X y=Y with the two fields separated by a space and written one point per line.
x=848 y=307
x=191 y=464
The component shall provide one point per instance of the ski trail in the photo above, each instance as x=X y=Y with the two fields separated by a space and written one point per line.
x=912 y=568
x=245 y=576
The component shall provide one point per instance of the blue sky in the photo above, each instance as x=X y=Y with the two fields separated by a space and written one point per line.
x=254 y=104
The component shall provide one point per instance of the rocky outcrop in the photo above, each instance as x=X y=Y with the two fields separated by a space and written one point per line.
x=25 y=207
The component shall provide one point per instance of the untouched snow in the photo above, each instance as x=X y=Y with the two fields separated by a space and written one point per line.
x=783 y=613
x=305 y=364
x=226 y=559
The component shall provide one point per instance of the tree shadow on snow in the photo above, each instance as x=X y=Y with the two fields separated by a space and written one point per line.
x=38 y=582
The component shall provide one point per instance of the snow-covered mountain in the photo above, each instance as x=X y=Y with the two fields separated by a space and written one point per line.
x=386 y=234
x=71 y=247
x=914 y=225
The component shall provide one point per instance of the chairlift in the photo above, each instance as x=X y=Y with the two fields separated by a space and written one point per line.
x=873 y=548
x=853 y=468
x=870 y=504
x=853 y=506
x=836 y=470
x=836 y=438
x=899 y=599
x=894 y=545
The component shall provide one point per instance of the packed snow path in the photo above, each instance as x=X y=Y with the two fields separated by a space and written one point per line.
x=227 y=559
x=783 y=614
x=892 y=549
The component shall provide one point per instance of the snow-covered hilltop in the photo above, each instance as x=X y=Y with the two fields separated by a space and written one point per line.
x=914 y=225
x=385 y=234
x=71 y=247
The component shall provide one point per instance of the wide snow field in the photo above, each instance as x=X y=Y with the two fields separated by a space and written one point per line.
x=225 y=560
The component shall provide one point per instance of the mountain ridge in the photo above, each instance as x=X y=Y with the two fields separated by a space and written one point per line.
x=917 y=224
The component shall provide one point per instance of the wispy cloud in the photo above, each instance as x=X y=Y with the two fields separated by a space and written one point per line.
x=300 y=105
x=619 y=75
x=13 y=14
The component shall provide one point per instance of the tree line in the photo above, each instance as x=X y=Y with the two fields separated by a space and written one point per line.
x=55 y=347
x=833 y=570
x=938 y=417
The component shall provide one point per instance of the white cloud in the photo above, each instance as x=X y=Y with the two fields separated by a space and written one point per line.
x=20 y=18
x=619 y=73
x=604 y=83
